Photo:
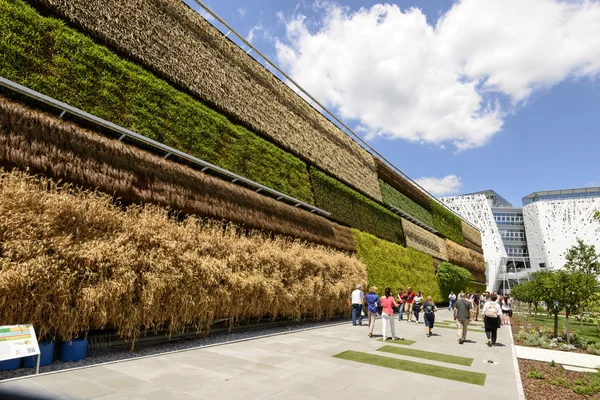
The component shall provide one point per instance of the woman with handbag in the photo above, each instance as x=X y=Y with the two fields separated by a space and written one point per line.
x=491 y=319
x=372 y=305
x=387 y=314
x=506 y=307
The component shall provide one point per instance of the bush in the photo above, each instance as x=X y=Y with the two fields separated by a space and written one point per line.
x=73 y=261
x=535 y=374
x=354 y=209
x=594 y=348
x=64 y=151
x=394 y=266
x=394 y=198
x=47 y=56
x=452 y=278
x=446 y=222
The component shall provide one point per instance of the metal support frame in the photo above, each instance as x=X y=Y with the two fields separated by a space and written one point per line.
x=123 y=132
x=326 y=113
x=412 y=219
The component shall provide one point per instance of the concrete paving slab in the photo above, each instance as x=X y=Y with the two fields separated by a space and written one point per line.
x=580 y=369
x=560 y=357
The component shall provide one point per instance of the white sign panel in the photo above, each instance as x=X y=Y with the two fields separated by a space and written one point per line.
x=17 y=341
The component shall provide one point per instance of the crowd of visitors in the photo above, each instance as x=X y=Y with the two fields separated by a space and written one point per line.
x=495 y=310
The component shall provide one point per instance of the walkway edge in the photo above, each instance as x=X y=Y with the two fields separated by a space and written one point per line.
x=520 y=391
x=172 y=352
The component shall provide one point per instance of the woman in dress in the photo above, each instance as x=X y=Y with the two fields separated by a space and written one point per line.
x=417 y=306
x=429 y=310
x=491 y=319
x=372 y=303
x=387 y=315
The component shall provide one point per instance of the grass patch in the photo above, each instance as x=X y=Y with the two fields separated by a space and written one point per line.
x=475 y=378
x=428 y=355
x=402 y=342
x=588 y=331
x=453 y=327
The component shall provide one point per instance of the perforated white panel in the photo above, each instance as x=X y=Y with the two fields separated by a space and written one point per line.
x=476 y=209
x=553 y=227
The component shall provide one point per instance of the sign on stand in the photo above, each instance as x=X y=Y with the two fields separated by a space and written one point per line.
x=18 y=341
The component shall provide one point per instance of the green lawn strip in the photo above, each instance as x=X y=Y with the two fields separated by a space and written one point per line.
x=427 y=355
x=402 y=342
x=475 y=378
x=587 y=331
x=478 y=324
x=454 y=328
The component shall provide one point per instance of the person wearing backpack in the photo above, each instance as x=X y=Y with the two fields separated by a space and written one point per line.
x=491 y=319
x=429 y=310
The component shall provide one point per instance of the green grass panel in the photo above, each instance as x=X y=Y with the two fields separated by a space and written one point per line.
x=47 y=56
x=402 y=342
x=354 y=209
x=475 y=378
x=427 y=355
x=454 y=328
x=394 y=198
x=394 y=266
x=446 y=223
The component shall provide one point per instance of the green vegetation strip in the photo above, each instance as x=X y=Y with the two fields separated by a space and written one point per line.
x=427 y=355
x=453 y=327
x=475 y=378
x=402 y=342
x=46 y=55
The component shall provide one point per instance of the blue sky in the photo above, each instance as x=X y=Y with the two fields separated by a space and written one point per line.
x=474 y=96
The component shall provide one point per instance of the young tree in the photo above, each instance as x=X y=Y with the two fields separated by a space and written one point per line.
x=526 y=292
x=583 y=258
x=544 y=286
x=572 y=289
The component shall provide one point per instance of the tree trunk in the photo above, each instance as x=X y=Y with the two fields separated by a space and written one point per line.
x=529 y=308
x=567 y=327
x=556 y=325
x=581 y=318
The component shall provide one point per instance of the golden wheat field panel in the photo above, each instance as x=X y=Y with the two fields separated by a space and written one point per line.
x=423 y=240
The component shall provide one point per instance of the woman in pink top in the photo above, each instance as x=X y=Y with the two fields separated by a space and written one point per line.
x=387 y=314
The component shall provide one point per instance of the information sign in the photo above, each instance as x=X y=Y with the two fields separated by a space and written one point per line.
x=18 y=341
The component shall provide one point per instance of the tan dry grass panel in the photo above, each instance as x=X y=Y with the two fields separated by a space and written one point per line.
x=172 y=40
x=62 y=150
x=424 y=241
x=394 y=179
x=72 y=261
x=465 y=257
x=471 y=234
x=473 y=247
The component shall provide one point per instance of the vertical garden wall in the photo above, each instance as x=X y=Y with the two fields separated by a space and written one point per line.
x=159 y=69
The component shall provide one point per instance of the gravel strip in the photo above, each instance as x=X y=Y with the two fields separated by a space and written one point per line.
x=112 y=355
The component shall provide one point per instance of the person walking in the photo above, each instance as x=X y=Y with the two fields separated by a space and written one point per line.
x=373 y=302
x=476 y=300
x=451 y=300
x=491 y=319
x=417 y=305
x=400 y=299
x=408 y=303
x=358 y=299
x=506 y=306
x=462 y=316
x=429 y=310
x=387 y=315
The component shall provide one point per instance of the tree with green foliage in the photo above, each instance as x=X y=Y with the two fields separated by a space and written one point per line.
x=544 y=286
x=582 y=258
x=597 y=216
x=452 y=277
x=526 y=292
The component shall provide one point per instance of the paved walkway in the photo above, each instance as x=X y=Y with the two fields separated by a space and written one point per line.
x=291 y=366
x=560 y=357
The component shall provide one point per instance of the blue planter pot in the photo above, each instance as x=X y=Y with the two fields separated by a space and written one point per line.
x=7 y=365
x=74 y=350
x=46 y=356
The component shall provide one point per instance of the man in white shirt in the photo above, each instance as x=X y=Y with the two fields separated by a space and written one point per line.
x=358 y=298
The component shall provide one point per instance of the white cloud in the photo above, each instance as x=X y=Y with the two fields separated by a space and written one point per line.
x=445 y=186
x=253 y=31
x=454 y=82
x=242 y=12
